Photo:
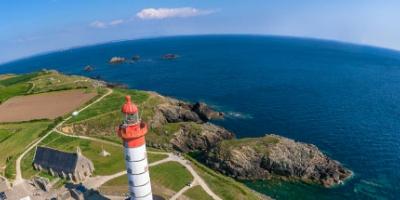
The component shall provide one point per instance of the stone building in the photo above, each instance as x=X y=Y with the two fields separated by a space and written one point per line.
x=72 y=166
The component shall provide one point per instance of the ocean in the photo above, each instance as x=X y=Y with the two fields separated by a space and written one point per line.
x=344 y=98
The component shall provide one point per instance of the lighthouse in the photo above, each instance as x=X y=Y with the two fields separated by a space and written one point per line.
x=132 y=131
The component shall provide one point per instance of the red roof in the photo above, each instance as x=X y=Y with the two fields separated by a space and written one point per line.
x=129 y=107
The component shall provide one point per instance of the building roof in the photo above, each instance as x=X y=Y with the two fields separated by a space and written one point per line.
x=55 y=159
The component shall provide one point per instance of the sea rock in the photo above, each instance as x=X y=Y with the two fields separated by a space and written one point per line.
x=205 y=112
x=273 y=155
x=88 y=68
x=169 y=56
x=135 y=57
x=117 y=60
x=199 y=137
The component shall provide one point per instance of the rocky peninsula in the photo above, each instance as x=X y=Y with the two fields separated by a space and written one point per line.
x=247 y=158
x=186 y=127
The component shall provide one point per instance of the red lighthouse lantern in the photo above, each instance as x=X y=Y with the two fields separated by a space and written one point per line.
x=132 y=130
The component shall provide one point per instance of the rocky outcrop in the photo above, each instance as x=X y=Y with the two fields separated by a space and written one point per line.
x=199 y=137
x=169 y=56
x=178 y=113
x=88 y=68
x=205 y=112
x=172 y=111
x=116 y=60
x=194 y=133
x=273 y=155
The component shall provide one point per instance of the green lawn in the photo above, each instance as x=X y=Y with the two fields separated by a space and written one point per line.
x=101 y=119
x=171 y=175
x=225 y=187
x=55 y=81
x=39 y=82
x=24 y=78
x=14 y=138
x=91 y=149
x=156 y=157
x=166 y=179
x=13 y=90
x=197 y=193
x=111 y=103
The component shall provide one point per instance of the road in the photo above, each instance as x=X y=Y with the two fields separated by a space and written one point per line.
x=18 y=174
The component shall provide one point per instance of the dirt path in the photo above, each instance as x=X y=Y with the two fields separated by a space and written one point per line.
x=18 y=176
x=197 y=179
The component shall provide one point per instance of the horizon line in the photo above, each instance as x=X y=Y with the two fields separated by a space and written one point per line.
x=194 y=35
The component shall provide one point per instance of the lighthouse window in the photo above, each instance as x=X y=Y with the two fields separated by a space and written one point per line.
x=132 y=118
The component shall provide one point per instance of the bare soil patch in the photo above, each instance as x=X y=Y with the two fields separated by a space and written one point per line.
x=43 y=106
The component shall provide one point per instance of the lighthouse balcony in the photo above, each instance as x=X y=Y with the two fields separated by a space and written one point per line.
x=133 y=131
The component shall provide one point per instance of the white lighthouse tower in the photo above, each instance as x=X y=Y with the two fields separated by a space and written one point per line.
x=132 y=132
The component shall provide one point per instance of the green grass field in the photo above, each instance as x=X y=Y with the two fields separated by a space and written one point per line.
x=14 y=138
x=40 y=82
x=197 y=193
x=13 y=90
x=24 y=78
x=110 y=104
x=55 y=81
x=170 y=175
x=11 y=86
x=101 y=119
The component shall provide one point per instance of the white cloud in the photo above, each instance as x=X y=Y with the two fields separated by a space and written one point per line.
x=162 y=13
x=98 y=24
x=116 y=22
x=102 y=24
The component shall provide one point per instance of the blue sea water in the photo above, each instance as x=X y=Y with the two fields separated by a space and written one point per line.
x=341 y=97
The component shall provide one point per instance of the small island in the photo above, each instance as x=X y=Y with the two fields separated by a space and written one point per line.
x=88 y=68
x=170 y=56
x=117 y=60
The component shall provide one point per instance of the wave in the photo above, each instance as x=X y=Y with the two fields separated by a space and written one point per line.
x=238 y=115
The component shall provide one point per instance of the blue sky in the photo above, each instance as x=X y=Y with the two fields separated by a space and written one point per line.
x=32 y=27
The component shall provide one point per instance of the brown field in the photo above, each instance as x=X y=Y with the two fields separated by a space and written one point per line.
x=43 y=106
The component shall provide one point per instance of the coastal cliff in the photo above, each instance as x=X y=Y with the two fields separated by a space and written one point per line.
x=248 y=158
x=273 y=155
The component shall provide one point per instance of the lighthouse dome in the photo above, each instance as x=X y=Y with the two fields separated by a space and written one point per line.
x=129 y=107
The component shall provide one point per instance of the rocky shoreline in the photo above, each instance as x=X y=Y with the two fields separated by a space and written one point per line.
x=247 y=158
x=189 y=130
